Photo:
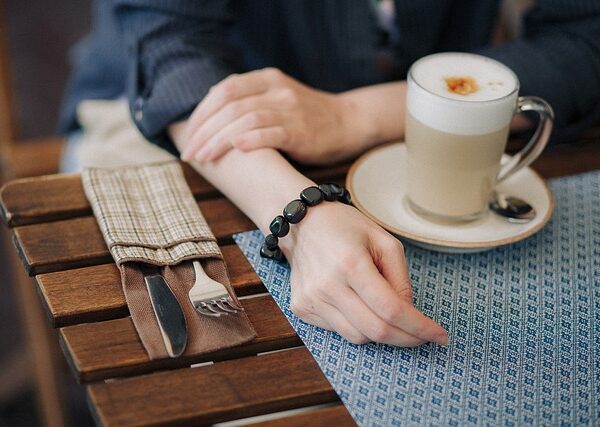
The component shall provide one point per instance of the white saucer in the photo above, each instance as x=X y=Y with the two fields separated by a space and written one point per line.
x=377 y=181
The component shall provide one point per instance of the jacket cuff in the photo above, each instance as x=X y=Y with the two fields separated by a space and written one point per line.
x=171 y=98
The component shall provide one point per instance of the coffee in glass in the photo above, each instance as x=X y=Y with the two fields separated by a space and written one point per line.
x=459 y=109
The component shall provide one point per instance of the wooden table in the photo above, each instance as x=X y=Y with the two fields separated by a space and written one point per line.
x=60 y=244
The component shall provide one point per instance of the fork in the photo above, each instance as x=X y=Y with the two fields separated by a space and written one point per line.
x=210 y=297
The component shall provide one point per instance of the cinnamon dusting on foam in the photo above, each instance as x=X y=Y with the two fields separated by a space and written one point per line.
x=461 y=85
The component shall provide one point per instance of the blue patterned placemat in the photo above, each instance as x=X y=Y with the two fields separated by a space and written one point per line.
x=523 y=322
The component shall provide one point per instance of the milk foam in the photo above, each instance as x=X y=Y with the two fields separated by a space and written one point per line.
x=487 y=110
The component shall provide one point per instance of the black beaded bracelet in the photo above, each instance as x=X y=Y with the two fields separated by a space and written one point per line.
x=296 y=210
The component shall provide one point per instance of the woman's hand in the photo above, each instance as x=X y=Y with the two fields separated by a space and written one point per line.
x=267 y=108
x=350 y=276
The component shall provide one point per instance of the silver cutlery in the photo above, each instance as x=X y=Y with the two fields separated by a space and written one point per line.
x=167 y=310
x=210 y=297
x=512 y=208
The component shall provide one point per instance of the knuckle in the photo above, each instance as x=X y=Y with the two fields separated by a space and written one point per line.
x=356 y=338
x=258 y=119
x=349 y=261
x=242 y=141
x=235 y=109
x=298 y=308
x=381 y=332
x=316 y=288
x=299 y=303
x=273 y=73
x=283 y=135
x=227 y=88
x=394 y=245
x=390 y=311
x=406 y=292
x=325 y=290
x=289 y=96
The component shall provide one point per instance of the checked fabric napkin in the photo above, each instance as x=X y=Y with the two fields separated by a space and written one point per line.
x=147 y=214
x=524 y=325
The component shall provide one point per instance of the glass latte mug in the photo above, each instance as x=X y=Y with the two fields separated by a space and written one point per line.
x=459 y=109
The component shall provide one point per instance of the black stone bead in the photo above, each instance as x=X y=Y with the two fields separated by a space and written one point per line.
x=311 y=196
x=336 y=189
x=271 y=241
x=275 y=254
x=279 y=226
x=294 y=211
x=345 y=198
x=328 y=193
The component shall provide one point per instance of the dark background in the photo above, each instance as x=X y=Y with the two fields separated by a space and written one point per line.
x=39 y=34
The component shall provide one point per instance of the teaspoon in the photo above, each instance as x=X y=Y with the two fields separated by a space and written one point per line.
x=512 y=208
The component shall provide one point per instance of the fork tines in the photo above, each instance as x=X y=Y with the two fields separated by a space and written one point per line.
x=210 y=297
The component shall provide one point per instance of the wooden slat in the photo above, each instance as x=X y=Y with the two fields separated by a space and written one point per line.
x=54 y=197
x=220 y=392
x=29 y=198
x=43 y=199
x=112 y=348
x=92 y=294
x=50 y=198
x=337 y=416
x=35 y=157
x=77 y=242
x=59 y=245
x=570 y=159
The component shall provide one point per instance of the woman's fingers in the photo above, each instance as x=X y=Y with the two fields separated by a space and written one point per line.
x=388 y=255
x=361 y=317
x=257 y=138
x=326 y=316
x=234 y=87
x=394 y=308
x=336 y=321
x=259 y=121
x=260 y=107
x=342 y=326
x=273 y=137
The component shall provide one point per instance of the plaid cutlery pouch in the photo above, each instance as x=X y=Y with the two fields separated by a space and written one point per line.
x=148 y=215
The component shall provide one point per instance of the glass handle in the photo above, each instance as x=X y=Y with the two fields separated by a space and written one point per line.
x=538 y=141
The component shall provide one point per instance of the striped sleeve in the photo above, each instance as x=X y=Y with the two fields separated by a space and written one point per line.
x=177 y=49
x=558 y=59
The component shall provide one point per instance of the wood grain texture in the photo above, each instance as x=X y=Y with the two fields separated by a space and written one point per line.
x=92 y=294
x=36 y=157
x=112 y=348
x=54 y=197
x=31 y=201
x=570 y=159
x=77 y=242
x=220 y=392
x=25 y=199
x=337 y=416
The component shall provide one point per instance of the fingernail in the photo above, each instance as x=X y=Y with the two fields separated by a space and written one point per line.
x=442 y=338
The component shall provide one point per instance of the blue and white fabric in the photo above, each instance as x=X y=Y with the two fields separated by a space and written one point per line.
x=523 y=321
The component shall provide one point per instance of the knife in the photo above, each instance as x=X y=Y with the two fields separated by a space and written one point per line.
x=168 y=312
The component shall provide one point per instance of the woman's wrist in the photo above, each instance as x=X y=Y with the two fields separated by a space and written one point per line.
x=358 y=129
x=374 y=114
x=259 y=182
x=296 y=210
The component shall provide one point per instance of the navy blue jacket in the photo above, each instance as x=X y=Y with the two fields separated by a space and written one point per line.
x=166 y=54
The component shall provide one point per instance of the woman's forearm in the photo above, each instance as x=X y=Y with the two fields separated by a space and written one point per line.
x=340 y=280
x=375 y=113
x=259 y=182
